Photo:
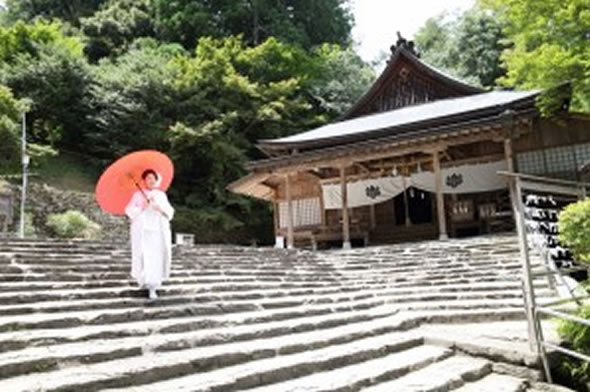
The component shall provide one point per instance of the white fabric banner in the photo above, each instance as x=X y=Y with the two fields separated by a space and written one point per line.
x=459 y=179
x=362 y=193
x=463 y=179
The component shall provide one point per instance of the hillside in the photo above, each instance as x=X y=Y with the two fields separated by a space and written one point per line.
x=60 y=184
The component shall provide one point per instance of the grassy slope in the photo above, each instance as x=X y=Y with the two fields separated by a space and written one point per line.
x=66 y=172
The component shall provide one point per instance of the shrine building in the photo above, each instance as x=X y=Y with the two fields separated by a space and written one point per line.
x=417 y=157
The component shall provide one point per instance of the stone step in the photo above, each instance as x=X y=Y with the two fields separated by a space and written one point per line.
x=32 y=359
x=355 y=377
x=127 y=289
x=470 y=304
x=7 y=298
x=95 y=261
x=58 y=263
x=443 y=271
x=24 y=274
x=269 y=298
x=423 y=266
x=250 y=364
x=109 y=272
x=36 y=281
x=225 y=328
x=261 y=299
x=446 y=375
x=233 y=318
x=495 y=383
x=104 y=316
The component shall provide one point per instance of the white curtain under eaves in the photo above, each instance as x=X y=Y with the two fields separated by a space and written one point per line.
x=460 y=179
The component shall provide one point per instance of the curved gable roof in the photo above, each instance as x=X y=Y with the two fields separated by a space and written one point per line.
x=408 y=81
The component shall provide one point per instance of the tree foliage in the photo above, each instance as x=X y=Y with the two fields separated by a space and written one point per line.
x=468 y=46
x=66 y=10
x=201 y=81
x=47 y=67
x=574 y=229
x=132 y=101
x=115 y=26
x=551 y=45
x=303 y=22
x=341 y=79
x=11 y=110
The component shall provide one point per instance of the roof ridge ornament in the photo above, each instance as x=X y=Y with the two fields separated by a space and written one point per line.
x=405 y=44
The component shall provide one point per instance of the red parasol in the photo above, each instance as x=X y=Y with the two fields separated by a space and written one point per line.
x=123 y=178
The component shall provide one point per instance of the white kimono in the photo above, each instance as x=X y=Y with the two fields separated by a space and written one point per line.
x=151 y=239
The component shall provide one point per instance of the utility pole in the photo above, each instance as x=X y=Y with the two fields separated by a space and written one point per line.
x=25 y=162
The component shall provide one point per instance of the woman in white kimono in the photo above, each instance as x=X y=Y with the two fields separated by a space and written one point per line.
x=151 y=239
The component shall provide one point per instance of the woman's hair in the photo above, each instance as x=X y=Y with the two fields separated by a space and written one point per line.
x=147 y=173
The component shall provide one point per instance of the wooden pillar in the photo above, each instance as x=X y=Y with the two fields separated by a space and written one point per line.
x=322 y=206
x=290 y=220
x=440 y=201
x=406 y=206
x=509 y=154
x=345 y=219
x=372 y=216
x=276 y=221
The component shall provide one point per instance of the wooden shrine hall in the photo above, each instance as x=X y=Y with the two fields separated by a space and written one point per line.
x=416 y=157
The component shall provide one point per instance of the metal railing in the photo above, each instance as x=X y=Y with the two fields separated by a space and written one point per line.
x=518 y=182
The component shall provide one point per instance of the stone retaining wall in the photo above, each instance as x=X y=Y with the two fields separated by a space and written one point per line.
x=43 y=200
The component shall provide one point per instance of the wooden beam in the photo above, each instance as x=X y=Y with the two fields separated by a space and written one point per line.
x=390 y=150
x=363 y=168
x=440 y=202
x=345 y=220
x=379 y=169
x=473 y=160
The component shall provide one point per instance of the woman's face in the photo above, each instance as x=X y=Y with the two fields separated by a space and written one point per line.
x=150 y=181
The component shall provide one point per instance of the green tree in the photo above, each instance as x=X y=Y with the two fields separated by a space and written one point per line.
x=67 y=10
x=551 y=45
x=26 y=39
x=40 y=63
x=115 y=26
x=133 y=100
x=11 y=110
x=223 y=111
x=304 y=22
x=10 y=114
x=342 y=78
x=468 y=47
x=230 y=96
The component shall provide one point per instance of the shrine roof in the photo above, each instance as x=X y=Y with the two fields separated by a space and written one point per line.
x=402 y=120
x=403 y=53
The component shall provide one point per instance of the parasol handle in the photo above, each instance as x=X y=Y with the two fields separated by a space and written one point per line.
x=138 y=187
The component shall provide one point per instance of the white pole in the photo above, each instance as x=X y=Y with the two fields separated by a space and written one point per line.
x=25 y=163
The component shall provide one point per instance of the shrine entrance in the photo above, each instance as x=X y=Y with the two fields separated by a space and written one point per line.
x=420 y=207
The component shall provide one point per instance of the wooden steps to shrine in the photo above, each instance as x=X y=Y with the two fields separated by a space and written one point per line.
x=233 y=319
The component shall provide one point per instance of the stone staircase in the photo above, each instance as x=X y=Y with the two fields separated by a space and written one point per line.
x=392 y=318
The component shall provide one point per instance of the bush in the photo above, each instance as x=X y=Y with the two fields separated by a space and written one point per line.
x=30 y=230
x=73 y=224
x=577 y=337
x=574 y=229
